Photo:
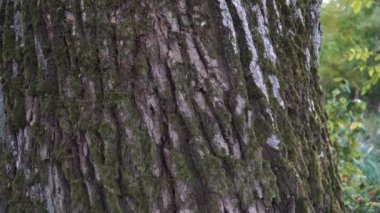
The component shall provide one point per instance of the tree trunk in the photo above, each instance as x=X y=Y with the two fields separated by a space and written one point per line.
x=164 y=106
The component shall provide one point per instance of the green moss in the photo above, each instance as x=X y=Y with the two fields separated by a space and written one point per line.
x=151 y=185
x=17 y=117
x=113 y=202
x=288 y=137
x=73 y=110
x=18 y=199
x=224 y=116
x=314 y=180
x=30 y=67
x=106 y=129
x=134 y=188
x=269 y=183
x=78 y=196
x=8 y=41
x=254 y=154
x=214 y=171
x=88 y=58
x=183 y=170
x=263 y=129
x=96 y=152
x=58 y=153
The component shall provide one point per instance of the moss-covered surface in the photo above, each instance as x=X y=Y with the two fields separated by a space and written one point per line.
x=142 y=105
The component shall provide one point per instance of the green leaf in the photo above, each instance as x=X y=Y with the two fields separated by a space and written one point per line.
x=356 y=6
x=377 y=57
x=371 y=71
x=377 y=68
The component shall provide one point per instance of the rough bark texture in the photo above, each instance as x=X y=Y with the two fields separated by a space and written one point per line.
x=164 y=106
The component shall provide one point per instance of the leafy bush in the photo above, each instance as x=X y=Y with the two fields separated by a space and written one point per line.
x=358 y=164
x=350 y=72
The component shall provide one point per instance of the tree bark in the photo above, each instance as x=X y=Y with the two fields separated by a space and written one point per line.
x=164 y=106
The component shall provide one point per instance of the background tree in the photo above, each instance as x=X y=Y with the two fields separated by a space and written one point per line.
x=164 y=106
x=350 y=71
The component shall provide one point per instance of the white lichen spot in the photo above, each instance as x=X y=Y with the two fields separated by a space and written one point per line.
x=174 y=56
x=172 y=21
x=183 y=106
x=249 y=119
x=220 y=143
x=158 y=74
x=317 y=43
x=311 y=105
x=307 y=54
x=291 y=2
x=70 y=18
x=183 y=191
x=252 y=209
x=228 y=204
x=42 y=61
x=321 y=155
x=263 y=31
x=44 y=153
x=18 y=28
x=49 y=202
x=259 y=78
x=265 y=10
x=174 y=138
x=269 y=111
x=156 y=168
x=200 y=101
x=91 y=90
x=84 y=14
x=274 y=142
x=278 y=20
x=203 y=23
x=15 y=68
x=315 y=11
x=290 y=33
x=227 y=22
x=298 y=15
x=115 y=16
x=276 y=90
x=217 y=101
x=259 y=190
x=240 y=104
x=20 y=143
x=165 y=198
x=254 y=67
x=236 y=150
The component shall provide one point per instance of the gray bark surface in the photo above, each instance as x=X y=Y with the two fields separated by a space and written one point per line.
x=164 y=106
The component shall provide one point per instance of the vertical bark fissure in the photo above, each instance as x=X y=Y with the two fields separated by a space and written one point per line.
x=164 y=144
x=209 y=102
x=185 y=145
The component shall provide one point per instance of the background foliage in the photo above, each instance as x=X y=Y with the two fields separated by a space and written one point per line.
x=350 y=72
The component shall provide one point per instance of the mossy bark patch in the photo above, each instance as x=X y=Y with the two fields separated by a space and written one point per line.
x=164 y=106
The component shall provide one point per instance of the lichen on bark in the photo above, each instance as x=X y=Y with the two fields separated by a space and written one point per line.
x=164 y=106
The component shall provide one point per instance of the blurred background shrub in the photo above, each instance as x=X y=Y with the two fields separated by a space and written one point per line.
x=350 y=72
